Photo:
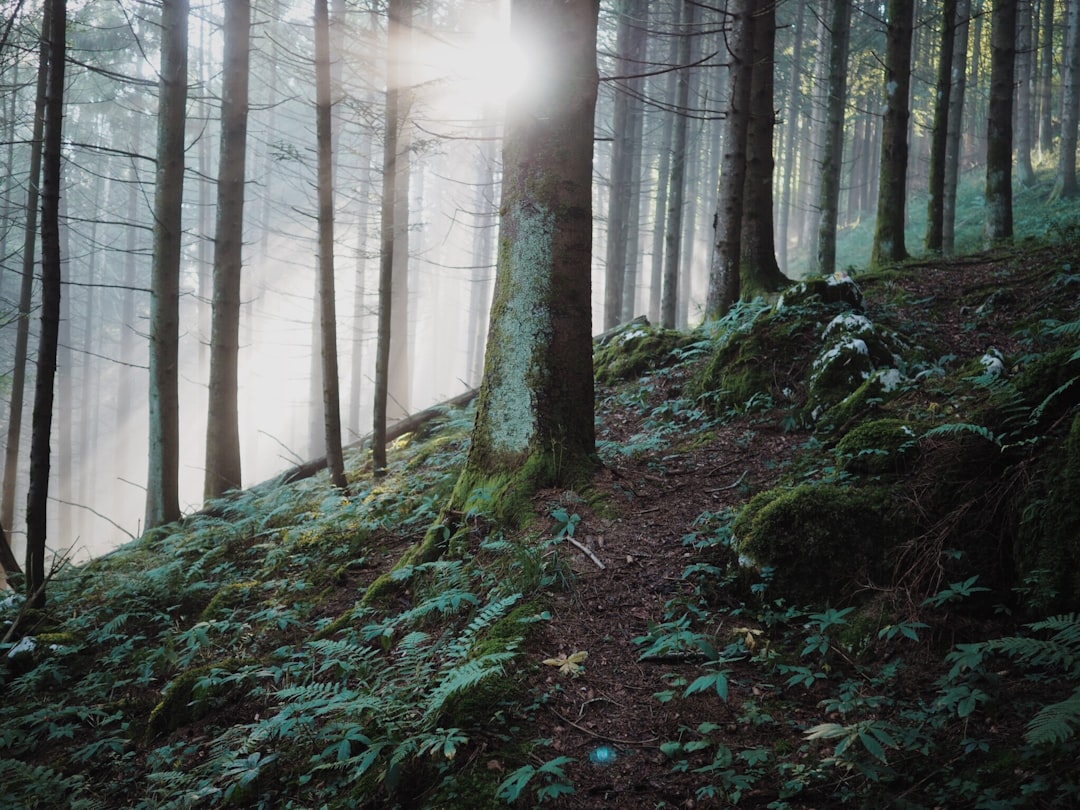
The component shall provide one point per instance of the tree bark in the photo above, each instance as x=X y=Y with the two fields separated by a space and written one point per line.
x=833 y=150
x=388 y=236
x=1025 y=172
x=724 y=277
x=163 y=484
x=26 y=293
x=999 y=140
x=791 y=151
x=41 y=429
x=1065 y=185
x=1046 y=77
x=939 y=136
x=892 y=199
x=955 y=128
x=669 y=299
x=534 y=423
x=223 y=469
x=327 y=304
x=758 y=268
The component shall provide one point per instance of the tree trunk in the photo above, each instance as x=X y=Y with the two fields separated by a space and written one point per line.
x=1025 y=172
x=791 y=151
x=635 y=126
x=388 y=234
x=327 y=308
x=162 y=489
x=724 y=278
x=833 y=150
x=26 y=294
x=400 y=379
x=620 y=177
x=663 y=174
x=677 y=185
x=955 y=129
x=935 y=208
x=223 y=415
x=999 y=210
x=759 y=271
x=1065 y=185
x=889 y=231
x=1046 y=78
x=8 y=563
x=41 y=429
x=486 y=220
x=534 y=422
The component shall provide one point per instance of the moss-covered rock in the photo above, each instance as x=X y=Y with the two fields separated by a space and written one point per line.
x=853 y=351
x=823 y=542
x=880 y=447
x=839 y=288
x=630 y=352
x=863 y=403
x=768 y=360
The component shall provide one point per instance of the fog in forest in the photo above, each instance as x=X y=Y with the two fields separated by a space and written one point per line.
x=461 y=69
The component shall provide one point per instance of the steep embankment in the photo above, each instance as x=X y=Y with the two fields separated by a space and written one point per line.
x=860 y=632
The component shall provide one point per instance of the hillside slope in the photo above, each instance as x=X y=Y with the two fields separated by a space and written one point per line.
x=831 y=557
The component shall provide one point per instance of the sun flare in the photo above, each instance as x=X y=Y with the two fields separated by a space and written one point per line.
x=479 y=69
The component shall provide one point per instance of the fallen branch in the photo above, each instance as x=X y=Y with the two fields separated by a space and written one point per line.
x=588 y=552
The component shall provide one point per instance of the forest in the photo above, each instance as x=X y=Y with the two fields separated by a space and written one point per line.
x=476 y=402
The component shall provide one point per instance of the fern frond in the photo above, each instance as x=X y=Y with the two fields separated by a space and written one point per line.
x=1055 y=723
x=956 y=429
x=461 y=678
x=491 y=613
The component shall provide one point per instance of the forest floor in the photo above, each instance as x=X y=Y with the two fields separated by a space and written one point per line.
x=610 y=704
x=235 y=659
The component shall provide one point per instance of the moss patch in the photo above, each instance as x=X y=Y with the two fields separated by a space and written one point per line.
x=880 y=447
x=631 y=352
x=824 y=542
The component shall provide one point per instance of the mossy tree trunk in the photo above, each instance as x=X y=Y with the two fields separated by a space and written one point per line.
x=999 y=135
x=889 y=243
x=534 y=424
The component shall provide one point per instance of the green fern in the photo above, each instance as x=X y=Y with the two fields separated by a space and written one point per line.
x=1058 y=656
x=955 y=430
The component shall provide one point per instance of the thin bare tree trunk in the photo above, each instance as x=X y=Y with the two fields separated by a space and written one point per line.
x=724 y=277
x=22 y=335
x=677 y=188
x=955 y=129
x=223 y=468
x=892 y=199
x=41 y=430
x=327 y=304
x=833 y=149
x=999 y=136
x=163 y=479
x=935 y=219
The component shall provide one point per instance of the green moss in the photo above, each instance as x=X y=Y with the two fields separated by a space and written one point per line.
x=824 y=541
x=823 y=291
x=182 y=704
x=863 y=403
x=879 y=447
x=769 y=360
x=227 y=599
x=632 y=351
